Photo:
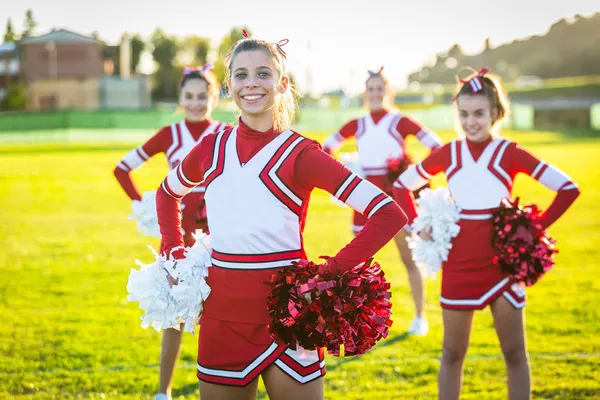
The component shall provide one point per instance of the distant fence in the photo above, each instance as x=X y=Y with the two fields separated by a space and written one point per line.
x=310 y=119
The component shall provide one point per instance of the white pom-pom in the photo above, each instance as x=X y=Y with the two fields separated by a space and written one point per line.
x=169 y=306
x=351 y=161
x=439 y=214
x=144 y=212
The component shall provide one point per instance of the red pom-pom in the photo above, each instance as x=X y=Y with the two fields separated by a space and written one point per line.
x=526 y=251
x=315 y=306
x=396 y=166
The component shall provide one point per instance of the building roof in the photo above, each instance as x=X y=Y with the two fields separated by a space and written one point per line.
x=60 y=36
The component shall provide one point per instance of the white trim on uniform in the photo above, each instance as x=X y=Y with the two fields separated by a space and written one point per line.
x=296 y=376
x=498 y=159
x=273 y=172
x=215 y=158
x=239 y=374
x=475 y=302
x=516 y=303
x=475 y=217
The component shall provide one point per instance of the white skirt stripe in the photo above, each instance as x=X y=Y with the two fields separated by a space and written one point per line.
x=475 y=302
x=296 y=376
x=517 y=304
x=239 y=374
x=275 y=177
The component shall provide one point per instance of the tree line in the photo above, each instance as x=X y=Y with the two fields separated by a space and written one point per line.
x=570 y=48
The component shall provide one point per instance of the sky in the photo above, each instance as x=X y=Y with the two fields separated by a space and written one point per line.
x=332 y=42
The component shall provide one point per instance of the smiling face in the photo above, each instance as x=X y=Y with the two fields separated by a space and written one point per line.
x=255 y=84
x=196 y=100
x=376 y=93
x=476 y=116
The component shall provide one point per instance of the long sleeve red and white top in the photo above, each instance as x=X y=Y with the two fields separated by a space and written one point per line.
x=175 y=141
x=479 y=175
x=379 y=135
x=283 y=175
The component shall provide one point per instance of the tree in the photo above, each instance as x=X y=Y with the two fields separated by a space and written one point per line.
x=15 y=98
x=30 y=23
x=10 y=35
x=194 y=50
x=137 y=48
x=225 y=47
x=164 y=52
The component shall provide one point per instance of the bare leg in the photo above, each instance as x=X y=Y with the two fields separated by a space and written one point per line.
x=510 y=327
x=281 y=386
x=212 y=391
x=457 y=332
x=415 y=279
x=171 y=345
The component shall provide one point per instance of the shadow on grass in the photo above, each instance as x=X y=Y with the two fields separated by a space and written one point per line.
x=187 y=390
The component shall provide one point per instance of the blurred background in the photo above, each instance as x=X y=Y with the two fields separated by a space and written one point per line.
x=79 y=66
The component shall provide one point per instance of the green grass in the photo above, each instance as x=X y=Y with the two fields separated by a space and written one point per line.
x=68 y=331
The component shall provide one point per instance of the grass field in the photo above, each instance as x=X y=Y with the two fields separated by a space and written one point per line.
x=68 y=330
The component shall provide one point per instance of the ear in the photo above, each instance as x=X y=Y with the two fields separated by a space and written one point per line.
x=494 y=114
x=283 y=85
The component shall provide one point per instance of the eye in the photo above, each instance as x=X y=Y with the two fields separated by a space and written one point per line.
x=240 y=75
x=263 y=74
x=202 y=96
x=188 y=96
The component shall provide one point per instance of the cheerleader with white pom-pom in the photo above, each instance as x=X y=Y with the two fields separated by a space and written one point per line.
x=259 y=177
x=199 y=93
x=480 y=170
x=382 y=155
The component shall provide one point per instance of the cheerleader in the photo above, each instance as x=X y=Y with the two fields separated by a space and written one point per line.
x=480 y=169
x=199 y=93
x=259 y=176
x=381 y=137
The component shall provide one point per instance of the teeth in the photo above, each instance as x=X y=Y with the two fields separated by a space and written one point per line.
x=253 y=97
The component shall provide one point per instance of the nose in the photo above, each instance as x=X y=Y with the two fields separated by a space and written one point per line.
x=251 y=83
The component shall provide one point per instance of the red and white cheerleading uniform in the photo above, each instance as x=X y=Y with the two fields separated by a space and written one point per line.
x=479 y=176
x=175 y=141
x=380 y=135
x=258 y=186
